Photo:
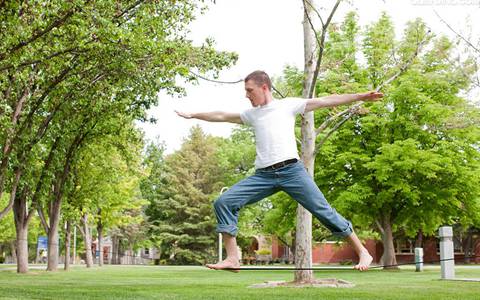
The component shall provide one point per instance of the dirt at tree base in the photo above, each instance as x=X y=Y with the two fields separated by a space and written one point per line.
x=317 y=283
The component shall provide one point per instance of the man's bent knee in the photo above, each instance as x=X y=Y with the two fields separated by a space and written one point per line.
x=220 y=204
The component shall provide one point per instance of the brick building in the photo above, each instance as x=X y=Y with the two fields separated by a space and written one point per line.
x=335 y=252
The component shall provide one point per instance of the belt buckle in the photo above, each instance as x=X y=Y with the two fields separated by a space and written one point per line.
x=278 y=165
x=281 y=164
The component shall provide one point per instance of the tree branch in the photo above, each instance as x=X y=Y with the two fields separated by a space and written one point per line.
x=2 y=4
x=310 y=20
x=38 y=34
x=315 y=10
x=45 y=168
x=80 y=227
x=37 y=61
x=459 y=35
x=125 y=11
x=10 y=138
x=352 y=110
x=324 y=139
x=42 y=218
x=327 y=122
x=57 y=80
x=212 y=80
x=278 y=92
x=320 y=50
x=7 y=92
x=379 y=226
x=9 y=206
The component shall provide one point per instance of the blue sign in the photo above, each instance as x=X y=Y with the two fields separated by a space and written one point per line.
x=42 y=243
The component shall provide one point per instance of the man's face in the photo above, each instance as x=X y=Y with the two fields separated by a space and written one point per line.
x=256 y=94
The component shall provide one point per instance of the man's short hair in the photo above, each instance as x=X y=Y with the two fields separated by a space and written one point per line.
x=260 y=77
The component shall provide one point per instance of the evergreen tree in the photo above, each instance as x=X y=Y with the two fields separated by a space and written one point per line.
x=181 y=192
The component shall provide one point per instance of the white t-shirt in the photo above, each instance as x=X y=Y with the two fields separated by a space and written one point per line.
x=274 y=126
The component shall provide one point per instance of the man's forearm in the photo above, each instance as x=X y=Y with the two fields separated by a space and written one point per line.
x=214 y=116
x=332 y=100
x=336 y=100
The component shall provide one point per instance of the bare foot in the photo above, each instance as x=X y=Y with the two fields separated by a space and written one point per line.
x=227 y=265
x=365 y=261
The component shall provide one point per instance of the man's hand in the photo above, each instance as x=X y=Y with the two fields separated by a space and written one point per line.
x=184 y=115
x=371 y=96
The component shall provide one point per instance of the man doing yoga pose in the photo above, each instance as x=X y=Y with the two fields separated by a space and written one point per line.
x=277 y=164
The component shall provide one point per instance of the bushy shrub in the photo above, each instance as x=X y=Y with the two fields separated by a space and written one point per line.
x=263 y=252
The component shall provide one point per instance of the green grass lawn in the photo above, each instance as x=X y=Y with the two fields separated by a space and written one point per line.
x=153 y=282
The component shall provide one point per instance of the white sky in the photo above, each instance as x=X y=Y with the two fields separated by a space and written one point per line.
x=267 y=35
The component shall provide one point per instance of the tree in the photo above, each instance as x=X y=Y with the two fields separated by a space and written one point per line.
x=312 y=41
x=7 y=232
x=336 y=60
x=408 y=165
x=180 y=210
x=106 y=184
x=66 y=71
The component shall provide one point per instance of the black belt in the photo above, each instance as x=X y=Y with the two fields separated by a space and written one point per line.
x=280 y=164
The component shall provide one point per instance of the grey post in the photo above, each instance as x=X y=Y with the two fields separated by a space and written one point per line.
x=446 y=252
x=220 y=242
x=419 y=259
x=220 y=247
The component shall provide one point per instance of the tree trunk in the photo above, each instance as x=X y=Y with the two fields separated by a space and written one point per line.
x=13 y=249
x=303 y=236
x=131 y=257
x=291 y=258
x=87 y=238
x=114 y=250
x=419 y=239
x=22 y=247
x=53 y=246
x=303 y=232
x=389 y=260
x=56 y=204
x=468 y=246
x=52 y=261
x=100 y=242
x=22 y=218
x=68 y=235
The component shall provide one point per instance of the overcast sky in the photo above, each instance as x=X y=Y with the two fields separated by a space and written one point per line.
x=267 y=35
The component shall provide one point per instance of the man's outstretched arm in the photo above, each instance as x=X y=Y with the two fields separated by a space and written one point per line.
x=214 y=116
x=336 y=100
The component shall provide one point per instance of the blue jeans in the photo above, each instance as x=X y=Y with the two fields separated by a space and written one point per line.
x=292 y=179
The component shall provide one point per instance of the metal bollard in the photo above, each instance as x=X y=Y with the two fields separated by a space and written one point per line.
x=418 y=259
x=446 y=252
x=220 y=248
x=220 y=236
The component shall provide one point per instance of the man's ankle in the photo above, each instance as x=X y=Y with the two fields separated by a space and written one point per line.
x=364 y=253
x=234 y=260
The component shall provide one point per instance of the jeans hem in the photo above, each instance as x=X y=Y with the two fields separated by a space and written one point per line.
x=348 y=231
x=230 y=229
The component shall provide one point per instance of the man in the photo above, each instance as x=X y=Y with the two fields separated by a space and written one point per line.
x=277 y=164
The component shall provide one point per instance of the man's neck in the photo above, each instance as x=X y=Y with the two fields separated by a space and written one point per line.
x=268 y=100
